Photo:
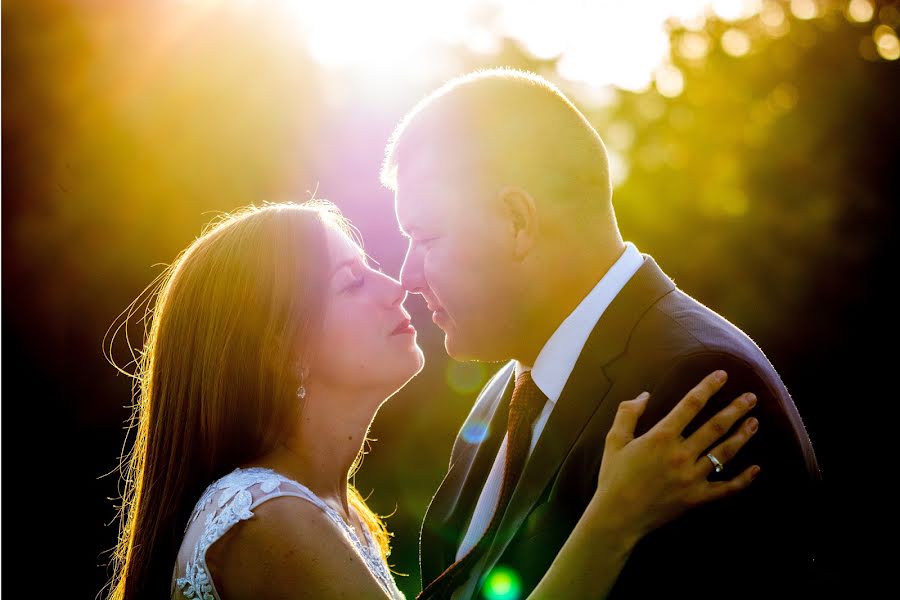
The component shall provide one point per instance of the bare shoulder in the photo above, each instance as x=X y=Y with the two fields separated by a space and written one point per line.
x=289 y=549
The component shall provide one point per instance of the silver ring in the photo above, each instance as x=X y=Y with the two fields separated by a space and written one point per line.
x=715 y=461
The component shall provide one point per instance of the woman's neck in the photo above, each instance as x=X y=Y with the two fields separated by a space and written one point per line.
x=325 y=443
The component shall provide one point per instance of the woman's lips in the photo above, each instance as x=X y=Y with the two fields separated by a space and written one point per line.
x=404 y=327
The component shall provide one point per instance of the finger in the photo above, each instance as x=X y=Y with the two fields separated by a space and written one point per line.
x=692 y=403
x=627 y=415
x=717 y=490
x=728 y=449
x=720 y=424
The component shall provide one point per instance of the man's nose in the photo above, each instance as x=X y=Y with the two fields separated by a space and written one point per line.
x=411 y=276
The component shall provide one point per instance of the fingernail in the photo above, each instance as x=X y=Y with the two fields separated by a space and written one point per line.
x=721 y=375
x=643 y=396
x=751 y=400
x=754 y=472
x=752 y=425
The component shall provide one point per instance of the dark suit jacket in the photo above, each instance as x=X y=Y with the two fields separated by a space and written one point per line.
x=652 y=337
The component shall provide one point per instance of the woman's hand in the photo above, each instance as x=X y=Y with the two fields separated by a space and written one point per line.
x=650 y=480
x=645 y=482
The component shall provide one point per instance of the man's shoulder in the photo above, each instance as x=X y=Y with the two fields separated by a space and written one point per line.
x=680 y=340
x=681 y=326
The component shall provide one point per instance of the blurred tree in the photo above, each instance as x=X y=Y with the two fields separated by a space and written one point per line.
x=760 y=171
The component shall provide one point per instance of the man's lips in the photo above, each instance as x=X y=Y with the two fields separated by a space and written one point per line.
x=439 y=316
x=437 y=312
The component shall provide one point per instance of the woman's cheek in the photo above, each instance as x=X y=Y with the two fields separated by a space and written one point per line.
x=354 y=320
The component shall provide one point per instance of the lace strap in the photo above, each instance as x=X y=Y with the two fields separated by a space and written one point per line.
x=235 y=502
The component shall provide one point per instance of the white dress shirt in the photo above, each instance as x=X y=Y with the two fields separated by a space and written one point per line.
x=551 y=371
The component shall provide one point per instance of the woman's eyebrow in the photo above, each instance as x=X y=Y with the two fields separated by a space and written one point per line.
x=409 y=232
x=346 y=263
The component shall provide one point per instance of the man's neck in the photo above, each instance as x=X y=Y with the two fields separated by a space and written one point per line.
x=564 y=284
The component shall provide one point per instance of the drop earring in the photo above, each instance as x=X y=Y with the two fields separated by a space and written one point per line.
x=301 y=391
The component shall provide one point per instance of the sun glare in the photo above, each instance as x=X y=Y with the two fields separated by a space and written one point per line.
x=400 y=42
x=595 y=45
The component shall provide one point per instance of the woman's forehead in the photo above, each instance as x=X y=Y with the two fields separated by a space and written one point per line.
x=341 y=246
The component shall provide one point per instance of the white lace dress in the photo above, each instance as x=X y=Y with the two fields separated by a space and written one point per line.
x=232 y=499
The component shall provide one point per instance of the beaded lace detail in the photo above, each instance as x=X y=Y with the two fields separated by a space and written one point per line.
x=235 y=496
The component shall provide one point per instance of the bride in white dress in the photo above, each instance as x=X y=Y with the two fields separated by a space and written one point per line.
x=272 y=344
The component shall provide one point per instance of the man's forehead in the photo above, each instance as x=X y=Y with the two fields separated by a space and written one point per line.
x=418 y=203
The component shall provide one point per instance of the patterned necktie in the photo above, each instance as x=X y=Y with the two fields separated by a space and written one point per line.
x=526 y=404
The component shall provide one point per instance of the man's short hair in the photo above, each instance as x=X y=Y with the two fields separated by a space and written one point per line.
x=503 y=127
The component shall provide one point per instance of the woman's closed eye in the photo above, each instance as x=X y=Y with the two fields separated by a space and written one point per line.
x=426 y=243
x=355 y=283
x=355 y=280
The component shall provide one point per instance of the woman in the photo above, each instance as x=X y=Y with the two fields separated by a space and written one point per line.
x=272 y=345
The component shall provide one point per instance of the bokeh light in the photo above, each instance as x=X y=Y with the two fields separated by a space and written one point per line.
x=735 y=42
x=804 y=9
x=618 y=135
x=733 y=10
x=860 y=11
x=774 y=20
x=669 y=81
x=886 y=42
x=784 y=97
x=502 y=583
x=772 y=15
x=693 y=46
x=466 y=377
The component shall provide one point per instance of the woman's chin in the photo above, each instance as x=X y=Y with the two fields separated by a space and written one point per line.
x=412 y=366
x=416 y=364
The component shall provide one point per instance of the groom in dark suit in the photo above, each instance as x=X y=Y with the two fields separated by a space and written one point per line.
x=503 y=188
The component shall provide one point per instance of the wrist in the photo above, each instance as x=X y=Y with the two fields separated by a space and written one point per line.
x=608 y=522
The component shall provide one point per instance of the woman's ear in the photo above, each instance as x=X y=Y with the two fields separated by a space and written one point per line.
x=520 y=211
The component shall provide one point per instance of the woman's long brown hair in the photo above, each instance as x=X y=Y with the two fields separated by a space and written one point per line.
x=229 y=322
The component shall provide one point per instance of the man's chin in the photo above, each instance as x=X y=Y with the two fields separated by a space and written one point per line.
x=453 y=348
x=461 y=350
x=481 y=349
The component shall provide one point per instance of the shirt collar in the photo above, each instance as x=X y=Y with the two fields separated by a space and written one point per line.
x=557 y=358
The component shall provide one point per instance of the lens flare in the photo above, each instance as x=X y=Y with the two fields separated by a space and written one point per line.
x=465 y=377
x=502 y=584
x=475 y=432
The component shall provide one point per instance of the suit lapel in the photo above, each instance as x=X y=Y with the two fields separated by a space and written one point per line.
x=578 y=401
x=583 y=394
x=485 y=455
x=458 y=493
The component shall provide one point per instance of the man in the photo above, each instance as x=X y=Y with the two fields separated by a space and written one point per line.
x=503 y=188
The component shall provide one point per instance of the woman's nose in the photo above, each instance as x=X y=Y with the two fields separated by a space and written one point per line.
x=398 y=292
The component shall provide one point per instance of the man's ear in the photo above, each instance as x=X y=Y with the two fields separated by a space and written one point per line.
x=520 y=210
